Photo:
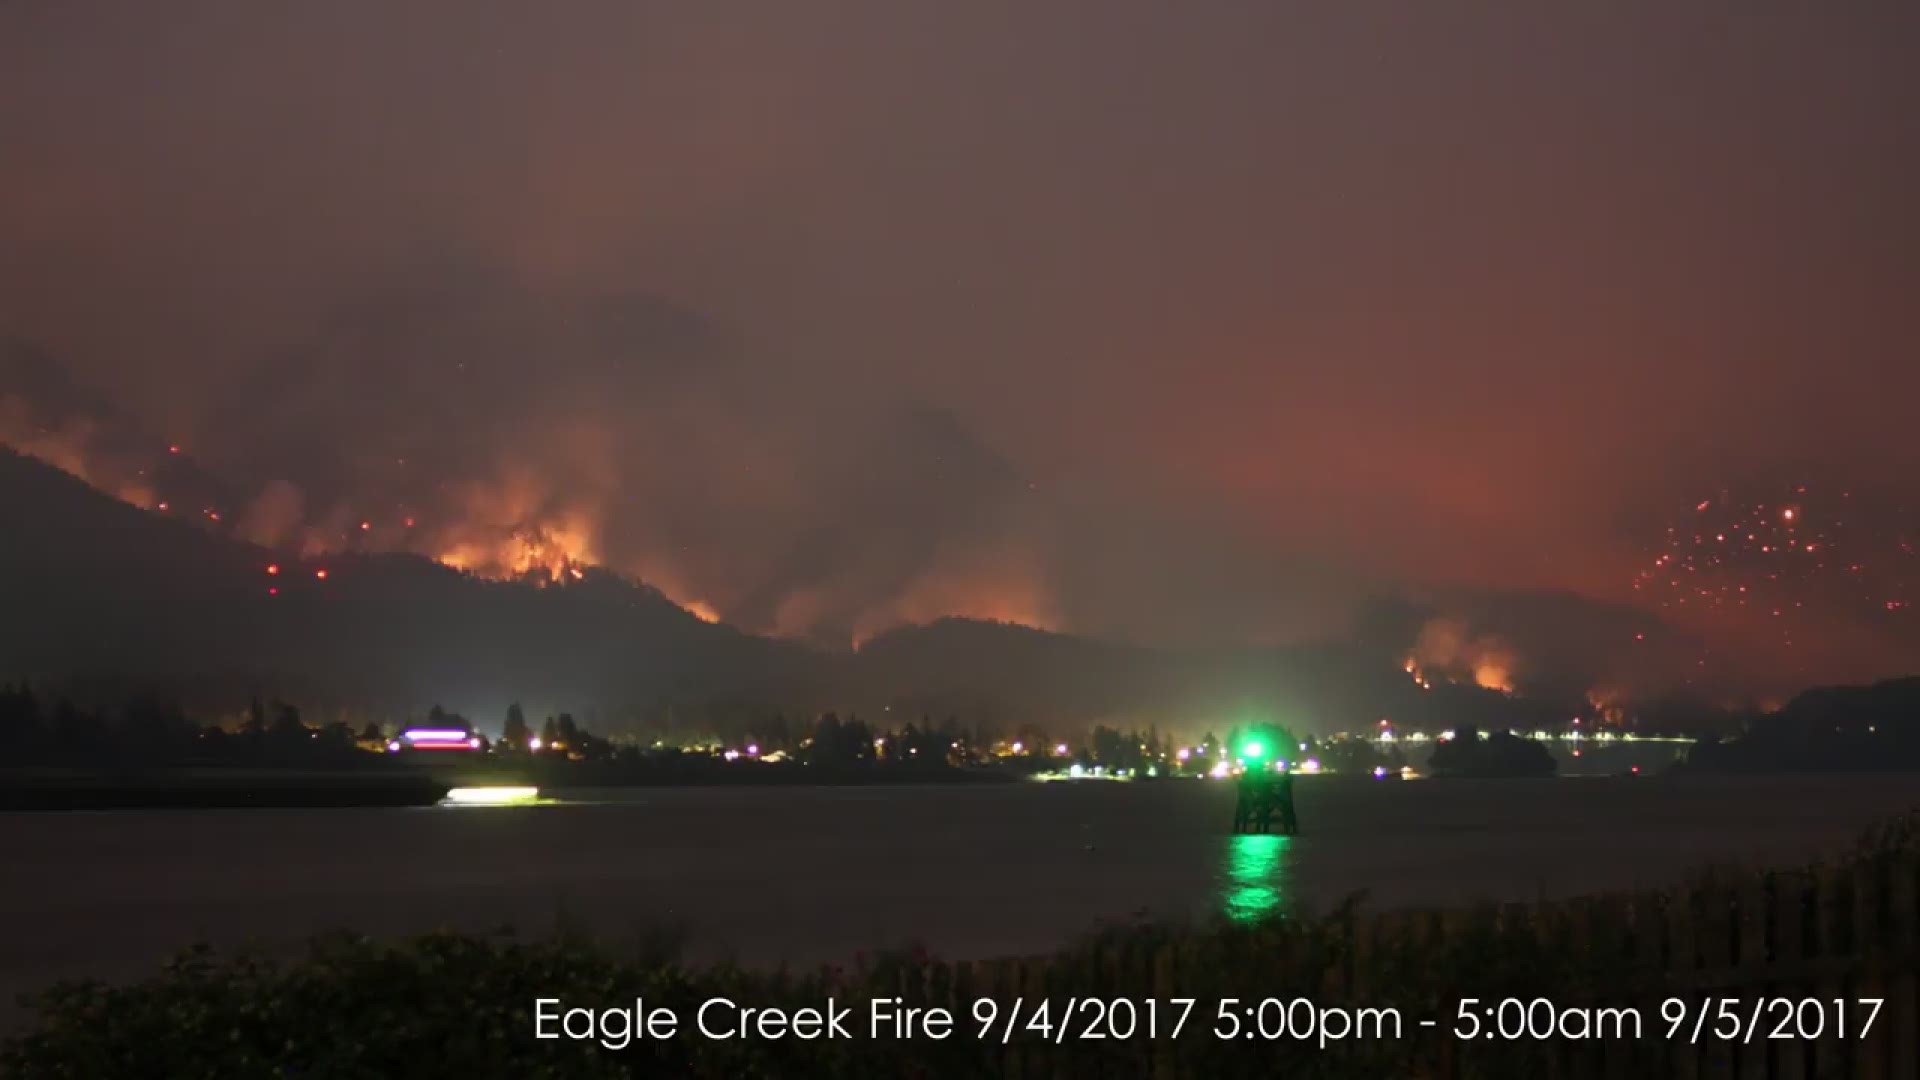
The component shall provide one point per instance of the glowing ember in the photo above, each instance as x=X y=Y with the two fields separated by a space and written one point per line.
x=1812 y=559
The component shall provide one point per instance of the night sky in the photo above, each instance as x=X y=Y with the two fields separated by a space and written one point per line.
x=1191 y=324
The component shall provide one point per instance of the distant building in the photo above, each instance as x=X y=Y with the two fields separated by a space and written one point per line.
x=438 y=739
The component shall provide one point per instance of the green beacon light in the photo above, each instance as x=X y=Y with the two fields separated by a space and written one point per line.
x=1253 y=751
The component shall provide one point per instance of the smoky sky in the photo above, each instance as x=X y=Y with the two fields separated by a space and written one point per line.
x=1175 y=323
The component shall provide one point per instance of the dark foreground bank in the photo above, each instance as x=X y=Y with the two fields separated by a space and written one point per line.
x=1797 y=972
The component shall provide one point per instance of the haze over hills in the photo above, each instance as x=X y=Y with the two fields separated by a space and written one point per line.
x=127 y=573
x=107 y=597
x=819 y=372
x=914 y=517
x=102 y=589
x=44 y=412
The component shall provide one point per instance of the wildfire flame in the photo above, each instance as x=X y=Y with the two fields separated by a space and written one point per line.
x=1609 y=703
x=1488 y=675
x=514 y=523
x=540 y=552
x=1447 y=650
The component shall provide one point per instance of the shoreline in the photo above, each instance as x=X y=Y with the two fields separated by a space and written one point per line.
x=265 y=788
x=204 y=789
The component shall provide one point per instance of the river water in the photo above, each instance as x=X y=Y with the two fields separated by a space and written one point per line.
x=807 y=875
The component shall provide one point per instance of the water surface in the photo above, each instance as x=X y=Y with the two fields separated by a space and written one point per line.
x=807 y=875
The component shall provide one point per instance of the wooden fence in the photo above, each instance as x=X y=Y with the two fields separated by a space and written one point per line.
x=1749 y=977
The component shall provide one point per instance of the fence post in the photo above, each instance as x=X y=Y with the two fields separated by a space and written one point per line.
x=1166 y=987
x=1612 y=923
x=1751 y=981
x=1650 y=970
x=1578 y=935
x=1717 y=954
x=1790 y=892
x=1683 y=927
x=1903 y=910
x=1446 y=929
x=1832 y=948
x=1869 y=958
x=1012 y=982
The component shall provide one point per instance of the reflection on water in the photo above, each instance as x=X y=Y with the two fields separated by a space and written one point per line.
x=1258 y=877
x=810 y=876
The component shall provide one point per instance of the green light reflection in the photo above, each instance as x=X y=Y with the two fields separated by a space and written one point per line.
x=1257 y=876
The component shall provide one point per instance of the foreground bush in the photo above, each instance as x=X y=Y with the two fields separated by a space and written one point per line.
x=462 y=1006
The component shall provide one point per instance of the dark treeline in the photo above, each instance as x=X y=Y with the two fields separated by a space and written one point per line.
x=1832 y=729
x=1450 y=706
x=1499 y=753
x=149 y=730
x=1838 y=728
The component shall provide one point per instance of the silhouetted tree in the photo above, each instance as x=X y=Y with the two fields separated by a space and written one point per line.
x=256 y=722
x=837 y=743
x=76 y=732
x=1499 y=754
x=335 y=738
x=827 y=746
x=151 y=730
x=858 y=738
x=515 y=732
x=23 y=732
x=286 y=721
